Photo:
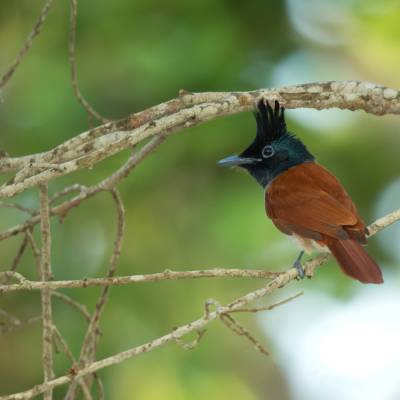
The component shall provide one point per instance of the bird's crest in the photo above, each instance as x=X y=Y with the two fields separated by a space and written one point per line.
x=270 y=121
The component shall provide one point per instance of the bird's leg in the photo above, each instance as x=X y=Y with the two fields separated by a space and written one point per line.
x=298 y=266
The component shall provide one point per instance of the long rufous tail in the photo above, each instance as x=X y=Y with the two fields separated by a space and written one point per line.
x=355 y=261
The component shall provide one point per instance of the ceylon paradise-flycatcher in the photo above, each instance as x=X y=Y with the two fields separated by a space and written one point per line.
x=304 y=199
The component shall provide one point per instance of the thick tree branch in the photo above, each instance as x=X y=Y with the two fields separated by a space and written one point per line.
x=189 y=109
x=156 y=123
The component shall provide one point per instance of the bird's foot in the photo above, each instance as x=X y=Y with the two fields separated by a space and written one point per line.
x=298 y=266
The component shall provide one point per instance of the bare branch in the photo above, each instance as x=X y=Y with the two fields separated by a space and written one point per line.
x=177 y=333
x=270 y=307
x=12 y=274
x=72 y=60
x=89 y=345
x=13 y=325
x=194 y=343
x=26 y=284
x=71 y=302
x=240 y=330
x=45 y=269
x=36 y=251
x=87 y=193
x=16 y=207
x=93 y=325
x=89 y=148
x=28 y=43
x=195 y=326
x=383 y=222
x=132 y=162
x=100 y=387
x=68 y=352
x=68 y=190
x=18 y=256
x=8 y=317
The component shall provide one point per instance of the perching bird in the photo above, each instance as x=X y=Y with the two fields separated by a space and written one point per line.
x=304 y=199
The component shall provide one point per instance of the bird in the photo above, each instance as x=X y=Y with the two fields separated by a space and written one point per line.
x=302 y=198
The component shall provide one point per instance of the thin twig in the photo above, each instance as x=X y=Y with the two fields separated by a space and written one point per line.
x=25 y=284
x=73 y=303
x=177 y=333
x=100 y=387
x=35 y=251
x=86 y=193
x=130 y=279
x=10 y=318
x=193 y=344
x=103 y=298
x=270 y=307
x=16 y=207
x=68 y=353
x=10 y=327
x=68 y=190
x=18 y=257
x=88 y=348
x=45 y=267
x=28 y=43
x=12 y=274
x=72 y=59
x=194 y=326
x=20 y=252
x=240 y=330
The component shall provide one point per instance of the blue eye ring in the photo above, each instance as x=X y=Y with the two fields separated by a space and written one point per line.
x=268 y=151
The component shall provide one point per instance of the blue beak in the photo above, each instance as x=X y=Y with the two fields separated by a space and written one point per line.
x=232 y=161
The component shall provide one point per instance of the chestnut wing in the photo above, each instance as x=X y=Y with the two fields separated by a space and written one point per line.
x=310 y=201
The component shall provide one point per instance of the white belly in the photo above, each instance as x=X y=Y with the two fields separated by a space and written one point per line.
x=308 y=245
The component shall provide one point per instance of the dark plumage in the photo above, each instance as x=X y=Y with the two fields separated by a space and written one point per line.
x=273 y=136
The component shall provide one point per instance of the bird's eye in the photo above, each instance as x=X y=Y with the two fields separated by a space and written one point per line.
x=268 y=151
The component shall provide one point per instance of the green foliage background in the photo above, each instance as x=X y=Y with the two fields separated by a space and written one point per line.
x=182 y=210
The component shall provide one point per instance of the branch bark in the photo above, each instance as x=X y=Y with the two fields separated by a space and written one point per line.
x=199 y=324
x=86 y=193
x=25 y=284
x=89 y=345
x=45 y=270
x=194 y=326
x=156 y=123
x=189 y=109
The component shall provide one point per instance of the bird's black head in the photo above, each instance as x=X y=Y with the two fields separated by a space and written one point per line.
x=274 y=149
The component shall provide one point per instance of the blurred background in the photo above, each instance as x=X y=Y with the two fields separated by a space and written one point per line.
x=339 y=340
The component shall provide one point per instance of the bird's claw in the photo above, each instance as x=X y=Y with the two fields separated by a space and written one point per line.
x=298 y=266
